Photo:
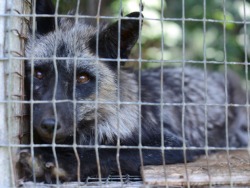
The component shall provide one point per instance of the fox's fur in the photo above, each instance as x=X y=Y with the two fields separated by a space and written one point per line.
x=106 y=110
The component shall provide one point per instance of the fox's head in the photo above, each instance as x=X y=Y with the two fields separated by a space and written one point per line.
x=72 y=69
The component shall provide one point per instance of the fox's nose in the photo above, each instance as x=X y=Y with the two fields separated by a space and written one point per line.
x=49 y=125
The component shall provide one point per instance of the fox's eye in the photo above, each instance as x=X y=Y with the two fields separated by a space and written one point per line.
x=82 y=78
x=38 y=74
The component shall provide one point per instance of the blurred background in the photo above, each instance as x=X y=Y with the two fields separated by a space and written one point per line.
x=197 y=31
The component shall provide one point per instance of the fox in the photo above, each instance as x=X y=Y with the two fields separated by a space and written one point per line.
x=93 y=116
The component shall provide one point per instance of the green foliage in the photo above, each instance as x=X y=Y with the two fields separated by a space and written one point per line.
x=198 y=31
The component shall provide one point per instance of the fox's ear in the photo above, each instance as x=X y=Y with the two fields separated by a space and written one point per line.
x=127 y=32
x=45 y=24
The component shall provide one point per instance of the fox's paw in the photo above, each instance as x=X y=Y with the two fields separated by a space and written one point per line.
x=37 y=168
x=29 y=167
x=52 y=172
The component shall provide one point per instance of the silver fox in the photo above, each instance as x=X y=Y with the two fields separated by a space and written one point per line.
x=80 y=95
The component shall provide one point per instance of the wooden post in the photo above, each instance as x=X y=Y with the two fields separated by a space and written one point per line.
x=13 y=27
x=4 y=160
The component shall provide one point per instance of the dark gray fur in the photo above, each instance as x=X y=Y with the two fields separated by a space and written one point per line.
x=202 y=102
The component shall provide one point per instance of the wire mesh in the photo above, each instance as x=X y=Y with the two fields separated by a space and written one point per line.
x=172 y=104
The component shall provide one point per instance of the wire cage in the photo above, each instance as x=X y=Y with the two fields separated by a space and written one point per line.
x=163 y=86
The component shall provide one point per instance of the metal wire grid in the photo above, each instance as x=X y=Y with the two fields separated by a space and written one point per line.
x=183 y=62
